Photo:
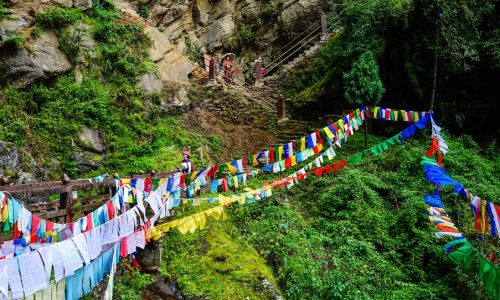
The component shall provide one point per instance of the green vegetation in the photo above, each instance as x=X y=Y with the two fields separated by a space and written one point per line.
x=215 y=263
x=131 y=286
x=3 y=10
x=363 y=85
x=360 y=233
x=13 y=42
x=401 y=34
x=47 y=117
x=57 y=17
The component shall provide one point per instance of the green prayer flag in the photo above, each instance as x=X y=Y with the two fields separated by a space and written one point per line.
x=156 y=182
x=464 y=256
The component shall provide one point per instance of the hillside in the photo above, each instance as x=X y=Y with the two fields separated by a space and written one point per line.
x=92 y=87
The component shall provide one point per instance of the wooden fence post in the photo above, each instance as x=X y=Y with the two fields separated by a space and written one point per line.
x=65 y=201
x=324 y=29
x=280 y=105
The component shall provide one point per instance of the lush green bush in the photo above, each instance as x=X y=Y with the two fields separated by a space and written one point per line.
x=58 y=17
x=130 y=286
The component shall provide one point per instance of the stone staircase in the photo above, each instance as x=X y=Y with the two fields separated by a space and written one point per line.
x=308 y=52
x=288 y=130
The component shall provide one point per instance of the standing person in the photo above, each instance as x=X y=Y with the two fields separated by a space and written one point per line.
x=186 y=165
x=227 y=70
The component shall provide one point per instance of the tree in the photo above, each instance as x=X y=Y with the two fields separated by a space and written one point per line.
x=362 y=84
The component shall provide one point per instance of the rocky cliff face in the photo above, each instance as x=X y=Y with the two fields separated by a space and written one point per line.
x=216 y=25
x=211 y=22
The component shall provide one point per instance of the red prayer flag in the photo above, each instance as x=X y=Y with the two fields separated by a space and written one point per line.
x=212 y=171
x=49 y=226
x=148 y=183
x=111 y=209
x=315 y=150
x=35 y=222
x=16 y=233
x=319 y=140
x=224 y=184
x=287 y=162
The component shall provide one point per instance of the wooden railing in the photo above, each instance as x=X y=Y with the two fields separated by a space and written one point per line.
x=65 y=208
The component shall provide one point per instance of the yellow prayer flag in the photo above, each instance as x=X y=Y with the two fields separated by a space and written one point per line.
x=293 y=160
x=415 y=116
x=231 y=168
x=126 y=180
x=216 y=213
x=303 y=143
x=200 y=220
x=329 y=133
x=5 y=213
x=194 y=174
x=255 y=162
x=243 y=198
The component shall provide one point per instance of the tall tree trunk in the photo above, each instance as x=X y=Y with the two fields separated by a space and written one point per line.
x=434 y=76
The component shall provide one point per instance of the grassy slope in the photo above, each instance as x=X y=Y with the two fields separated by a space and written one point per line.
x=361 y=233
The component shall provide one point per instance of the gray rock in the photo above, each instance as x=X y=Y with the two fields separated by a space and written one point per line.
x=175 y=67
x=150 y=83
x=82 y=4
x=219 y=30
x=160 y=288
x=89 y=140
x=182 y=98
x=43 y=61
x=86 y=160
x=268 y=289
x=63 y=3
x=9 y=26
x=78 y=76
x=160 y=45
x=150 y=257
x=180 y=102
x=20 y=165
x=24 y=177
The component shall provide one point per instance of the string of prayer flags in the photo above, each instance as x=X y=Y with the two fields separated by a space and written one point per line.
x=459 y=250
x=187 y=224
x=486 y=214
x=436 y=132
x=390 y=114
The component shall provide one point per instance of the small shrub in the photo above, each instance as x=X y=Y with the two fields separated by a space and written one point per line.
x=13 y=42
x=132 y=286
x=3 y=10
x=69 y=43
x=143 y=11
x=57 y=17
x=36 y=31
